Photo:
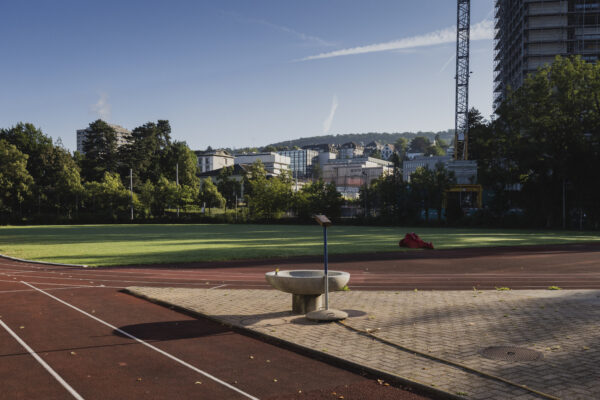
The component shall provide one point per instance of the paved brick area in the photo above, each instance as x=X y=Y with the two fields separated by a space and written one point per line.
x=452 y=325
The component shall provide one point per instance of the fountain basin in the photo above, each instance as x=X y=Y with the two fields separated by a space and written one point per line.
x=306 y=286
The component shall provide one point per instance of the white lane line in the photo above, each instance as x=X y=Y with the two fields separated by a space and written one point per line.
x=63 y=288
x=216 y=287
x=164 y=353
x=39 y=359
x=127 y=281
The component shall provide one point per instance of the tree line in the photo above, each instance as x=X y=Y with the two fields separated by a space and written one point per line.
x=41 y=181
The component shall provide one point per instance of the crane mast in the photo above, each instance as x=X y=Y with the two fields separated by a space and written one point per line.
x=461 y=117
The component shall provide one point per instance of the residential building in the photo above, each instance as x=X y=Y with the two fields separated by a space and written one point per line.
x=123 y=136
x=351 y=150
x=465 y=171
x=301 y=161
x=531 y=33
x=324 y=158
x=274 y=163
x=412 y=156
x=387 y=151
x=372 y=147
x=322 y=148
x=350 y=174
x=211 y=160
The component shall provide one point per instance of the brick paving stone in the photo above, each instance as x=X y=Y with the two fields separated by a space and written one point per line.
x=454 y=325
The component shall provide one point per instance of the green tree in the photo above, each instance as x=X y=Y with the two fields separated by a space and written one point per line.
x=401 y=146
x=552 y=126
x=419 y=144
x=15 y=180
x=442 y=180
x=179 y=156
x=101 y=152
x=56 y=176
x=63 y=182
x=434 y=150
x=145 y=153
x=228 y=186
x=318 y=198
x=146 y=197
x=108 y=197
x=423 y=189
x=209 y=195
x=166 y=195
x=266 y=197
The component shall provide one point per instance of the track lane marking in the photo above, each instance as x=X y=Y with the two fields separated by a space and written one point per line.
x=216 y=287
x=42 y=362
x=164 y=353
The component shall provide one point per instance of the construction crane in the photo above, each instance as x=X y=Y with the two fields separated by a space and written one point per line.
x=461 y=116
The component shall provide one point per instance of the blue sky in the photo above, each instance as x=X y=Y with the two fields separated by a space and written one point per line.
x=238 y=73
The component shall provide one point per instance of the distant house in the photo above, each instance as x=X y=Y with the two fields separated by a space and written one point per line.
x=211 y=160
x=387 y=151
x=351 y=150
x=373 y=146
x=322 y=148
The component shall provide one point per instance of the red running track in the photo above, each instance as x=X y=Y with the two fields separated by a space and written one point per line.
x=93 y=341
x=70 y=333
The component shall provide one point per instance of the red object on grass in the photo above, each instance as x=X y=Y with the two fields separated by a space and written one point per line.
x=413 y=241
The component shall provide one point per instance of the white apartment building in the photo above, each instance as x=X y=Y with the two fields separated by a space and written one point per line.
x=274 y=163
x=465 y=171
x=123 y=136
x=211 y=160
x=349 y=175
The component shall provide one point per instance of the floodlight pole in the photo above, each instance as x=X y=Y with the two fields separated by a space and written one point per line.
x=177 y=180
x=326 y=267
x=131 y=189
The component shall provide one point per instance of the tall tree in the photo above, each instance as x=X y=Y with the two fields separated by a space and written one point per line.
x=228 y=186
x=267 y=198
x=15 y=181
x=101 y=151
x=419 y=144
x=146 y=150
x=209 y=195
x=553 y=124
x=319 y=198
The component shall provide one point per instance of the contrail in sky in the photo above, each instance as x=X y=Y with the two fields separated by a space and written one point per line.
x=481 y=31
x=329 y=119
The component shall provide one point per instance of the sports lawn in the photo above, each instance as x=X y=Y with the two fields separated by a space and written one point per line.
x=102 y=245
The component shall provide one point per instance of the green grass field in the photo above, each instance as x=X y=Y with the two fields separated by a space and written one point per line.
x=102 y=245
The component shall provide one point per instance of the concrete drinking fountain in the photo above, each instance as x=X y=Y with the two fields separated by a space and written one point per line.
x=308 y=287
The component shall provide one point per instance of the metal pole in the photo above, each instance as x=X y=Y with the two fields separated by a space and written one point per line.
x=177 y=181
x=326 y=272
x=564 y=213
x=131 y=189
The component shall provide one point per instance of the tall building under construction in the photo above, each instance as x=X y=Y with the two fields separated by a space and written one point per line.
x=531 y=33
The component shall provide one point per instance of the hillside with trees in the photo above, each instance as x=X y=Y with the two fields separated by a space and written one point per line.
x=365 y=138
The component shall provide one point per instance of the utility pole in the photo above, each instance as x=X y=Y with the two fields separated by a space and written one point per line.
x=177 y=182
x=461 y=116
x=131 y=189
